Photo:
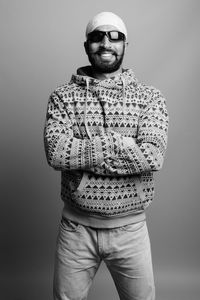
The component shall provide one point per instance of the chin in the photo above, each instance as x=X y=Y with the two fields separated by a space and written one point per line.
x=106 y=68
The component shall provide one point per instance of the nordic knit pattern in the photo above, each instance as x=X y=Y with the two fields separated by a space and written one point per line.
x=107 y=137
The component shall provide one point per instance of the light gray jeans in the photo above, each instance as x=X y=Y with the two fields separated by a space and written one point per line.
x=125 y=250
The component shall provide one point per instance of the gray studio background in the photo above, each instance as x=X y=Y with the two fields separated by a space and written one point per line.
x=41 y=45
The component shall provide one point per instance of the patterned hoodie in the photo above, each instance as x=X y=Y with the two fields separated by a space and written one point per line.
x=107 y=137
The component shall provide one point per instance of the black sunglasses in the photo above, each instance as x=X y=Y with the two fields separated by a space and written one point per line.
x=97 y=36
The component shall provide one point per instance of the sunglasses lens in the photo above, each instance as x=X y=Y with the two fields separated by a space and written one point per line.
x=113 y=36
x=96 y=36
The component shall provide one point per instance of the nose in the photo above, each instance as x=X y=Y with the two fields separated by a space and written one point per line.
x=105 y=41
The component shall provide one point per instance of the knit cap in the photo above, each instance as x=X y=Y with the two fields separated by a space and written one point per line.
x=106 y=18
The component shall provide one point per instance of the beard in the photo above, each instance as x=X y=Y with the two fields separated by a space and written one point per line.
x=102 y=66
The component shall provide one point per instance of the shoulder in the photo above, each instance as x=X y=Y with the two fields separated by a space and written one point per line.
x=64 y=91
x=150 y=93
x=63 y=88
x=149 y=90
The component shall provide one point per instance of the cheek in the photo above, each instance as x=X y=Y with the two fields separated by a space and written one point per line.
x=120 y=50
x=93 y=48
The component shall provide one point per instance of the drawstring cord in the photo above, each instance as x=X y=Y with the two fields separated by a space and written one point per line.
x=123 y=94
x=84 y=178
x=85 y=110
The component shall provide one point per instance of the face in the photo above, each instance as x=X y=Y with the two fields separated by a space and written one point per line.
x=105 y=56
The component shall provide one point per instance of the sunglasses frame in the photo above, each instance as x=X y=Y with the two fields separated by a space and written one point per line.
x=107 y=33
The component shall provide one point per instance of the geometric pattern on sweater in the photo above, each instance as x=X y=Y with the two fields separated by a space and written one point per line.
x=107 y=137
x=110 y=198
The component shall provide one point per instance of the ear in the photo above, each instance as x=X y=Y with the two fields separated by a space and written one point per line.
x=126 y=45
x=86 y=47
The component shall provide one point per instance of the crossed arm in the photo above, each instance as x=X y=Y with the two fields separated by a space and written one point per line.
x=110 y=153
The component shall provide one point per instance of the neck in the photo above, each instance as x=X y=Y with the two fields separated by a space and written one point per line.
x=102 y=76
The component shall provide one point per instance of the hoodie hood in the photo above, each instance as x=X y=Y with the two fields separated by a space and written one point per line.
x=127 y=77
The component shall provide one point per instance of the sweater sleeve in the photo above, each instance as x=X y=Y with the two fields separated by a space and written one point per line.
x=146 y=152
x=63 y=150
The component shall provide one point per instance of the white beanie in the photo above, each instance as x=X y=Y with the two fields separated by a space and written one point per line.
x=106 y=18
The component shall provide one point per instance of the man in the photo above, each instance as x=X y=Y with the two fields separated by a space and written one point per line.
x=107 y=134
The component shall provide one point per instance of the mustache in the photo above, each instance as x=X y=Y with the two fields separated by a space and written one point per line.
x=104 y=49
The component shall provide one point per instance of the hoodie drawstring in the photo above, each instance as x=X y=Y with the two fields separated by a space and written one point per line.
x=85 y=174
x=85 y=110
x=123 y=94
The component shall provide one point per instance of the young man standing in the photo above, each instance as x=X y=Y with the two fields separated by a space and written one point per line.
x=107 y=134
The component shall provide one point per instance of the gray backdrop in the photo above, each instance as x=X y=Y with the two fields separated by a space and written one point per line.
x=41 y=45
